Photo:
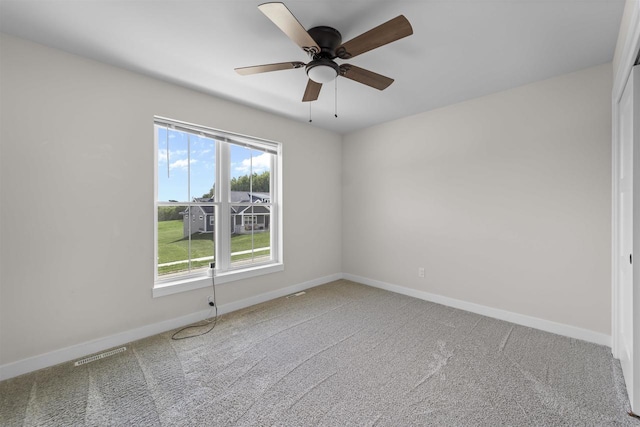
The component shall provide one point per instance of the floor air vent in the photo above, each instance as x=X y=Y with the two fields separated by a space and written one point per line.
x=296 y=295
x=100 y=356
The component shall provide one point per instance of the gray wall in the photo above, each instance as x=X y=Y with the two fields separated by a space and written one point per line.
x=505 y=200
x=77 y=133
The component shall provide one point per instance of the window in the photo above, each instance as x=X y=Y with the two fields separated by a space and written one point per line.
x=232 y=180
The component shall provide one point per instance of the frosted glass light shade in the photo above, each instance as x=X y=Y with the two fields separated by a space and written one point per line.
x=322 y=73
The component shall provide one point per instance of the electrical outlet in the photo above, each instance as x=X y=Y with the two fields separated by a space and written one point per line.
x=421 y=272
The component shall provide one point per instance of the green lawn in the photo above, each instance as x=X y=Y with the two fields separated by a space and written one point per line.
x=172 y=246
x=242 y=242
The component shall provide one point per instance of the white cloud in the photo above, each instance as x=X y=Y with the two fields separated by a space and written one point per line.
x=258 y=164
x=181 y=163
x=162 y=154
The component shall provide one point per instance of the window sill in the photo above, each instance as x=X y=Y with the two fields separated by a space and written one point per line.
x=192 y=283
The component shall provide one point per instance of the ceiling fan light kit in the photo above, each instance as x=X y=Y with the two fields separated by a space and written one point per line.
x=323 y=70
x=324 y=44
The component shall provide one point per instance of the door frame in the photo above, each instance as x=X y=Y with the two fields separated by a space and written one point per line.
x=627 y=58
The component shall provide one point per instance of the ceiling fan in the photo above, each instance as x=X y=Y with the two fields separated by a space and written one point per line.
x=324 y=44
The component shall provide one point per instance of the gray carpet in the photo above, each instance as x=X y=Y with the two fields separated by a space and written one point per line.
x=342 y=354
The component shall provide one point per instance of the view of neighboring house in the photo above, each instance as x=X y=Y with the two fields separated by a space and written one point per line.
x=244 y=219
x=200 y=219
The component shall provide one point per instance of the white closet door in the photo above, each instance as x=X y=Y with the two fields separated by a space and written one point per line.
x=628 y=316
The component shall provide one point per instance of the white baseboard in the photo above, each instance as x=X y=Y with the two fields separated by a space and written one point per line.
x=519 y=319
x=77 y=351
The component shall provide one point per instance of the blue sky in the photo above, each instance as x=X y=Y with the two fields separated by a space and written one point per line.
x=173 y=172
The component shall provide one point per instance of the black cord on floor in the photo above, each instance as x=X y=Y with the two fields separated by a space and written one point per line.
x=214 y=321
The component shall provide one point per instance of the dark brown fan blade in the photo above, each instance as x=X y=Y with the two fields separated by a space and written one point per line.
x=284 y=19
x=388 y=32
x=245 y=71
x=312 y=91
x=365 y=77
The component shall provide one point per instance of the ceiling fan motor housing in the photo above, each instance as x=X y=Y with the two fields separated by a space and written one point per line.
x=328 y=39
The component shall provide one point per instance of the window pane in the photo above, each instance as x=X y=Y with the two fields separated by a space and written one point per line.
x=173 y=171
x=250 y=213
x=251 y=173
x=185 y=238
x=251 y=239
x=203 y=167
x=186 y=166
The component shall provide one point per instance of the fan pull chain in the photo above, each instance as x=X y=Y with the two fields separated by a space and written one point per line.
x=310 y=113
x=336 y=99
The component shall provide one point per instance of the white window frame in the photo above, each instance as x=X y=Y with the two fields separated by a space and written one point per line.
x=224 y=271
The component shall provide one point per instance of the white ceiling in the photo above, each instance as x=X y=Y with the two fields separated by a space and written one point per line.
x=459 y=50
